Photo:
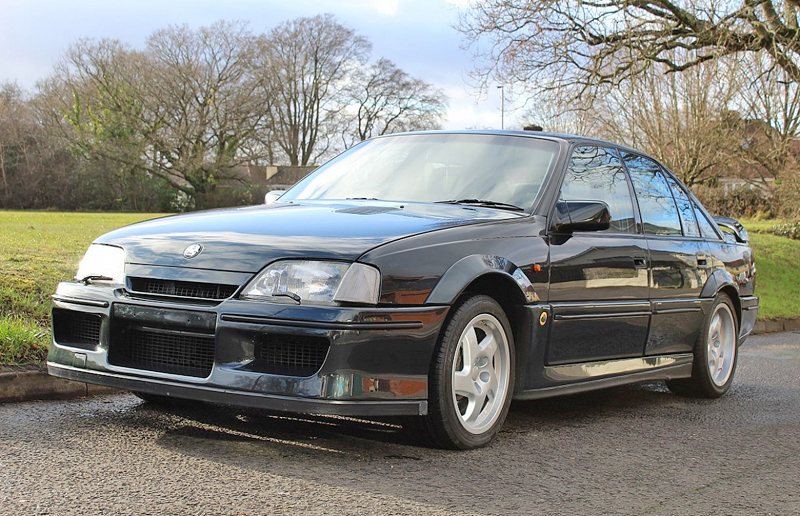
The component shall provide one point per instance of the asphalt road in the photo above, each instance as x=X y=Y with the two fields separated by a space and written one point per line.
x=630 y=450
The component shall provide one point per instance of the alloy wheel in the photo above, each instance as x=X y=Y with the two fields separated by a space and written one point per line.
x=481 y=371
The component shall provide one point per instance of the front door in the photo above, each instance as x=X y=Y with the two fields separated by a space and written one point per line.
x=598 y=280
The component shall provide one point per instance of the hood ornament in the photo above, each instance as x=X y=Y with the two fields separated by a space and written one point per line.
x=192 y=251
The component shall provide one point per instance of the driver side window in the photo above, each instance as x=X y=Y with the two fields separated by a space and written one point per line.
x=596 y=174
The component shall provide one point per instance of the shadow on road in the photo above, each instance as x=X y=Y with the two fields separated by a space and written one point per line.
x=362 y=437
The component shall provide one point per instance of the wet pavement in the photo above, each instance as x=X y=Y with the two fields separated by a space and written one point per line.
x=629 y=450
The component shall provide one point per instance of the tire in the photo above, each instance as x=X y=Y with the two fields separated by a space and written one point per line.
x=716 y=354
x=468 y=405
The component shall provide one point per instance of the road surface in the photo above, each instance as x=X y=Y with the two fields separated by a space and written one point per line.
x=629 y=450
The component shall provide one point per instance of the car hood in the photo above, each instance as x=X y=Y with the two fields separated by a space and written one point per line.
x=246 y=239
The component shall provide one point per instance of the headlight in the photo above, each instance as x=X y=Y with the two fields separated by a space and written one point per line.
x=316 y=282
x=102 y=264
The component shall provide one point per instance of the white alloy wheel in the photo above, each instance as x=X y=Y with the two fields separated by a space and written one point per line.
x=721 y=344
x=481 y=372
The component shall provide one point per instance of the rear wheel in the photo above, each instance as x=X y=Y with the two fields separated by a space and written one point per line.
x=715 y=354
x=471 y=379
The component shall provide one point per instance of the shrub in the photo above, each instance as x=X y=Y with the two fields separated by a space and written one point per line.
x=787 y=198
x=791 y=230
x=736 y=202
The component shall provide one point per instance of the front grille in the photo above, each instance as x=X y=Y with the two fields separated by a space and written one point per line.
x=76 y=329
x=187 y=289
x=290 y=355
x=164 y=351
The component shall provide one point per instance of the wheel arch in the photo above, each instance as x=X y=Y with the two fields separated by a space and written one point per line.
x=466 y=271
x=504 y=289
x=723 y=281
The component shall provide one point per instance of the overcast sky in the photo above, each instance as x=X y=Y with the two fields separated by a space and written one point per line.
x=416 y=34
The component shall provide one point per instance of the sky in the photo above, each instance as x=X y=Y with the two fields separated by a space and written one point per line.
x=418 y=35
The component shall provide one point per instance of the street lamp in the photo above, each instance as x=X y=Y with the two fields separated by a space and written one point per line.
x=502 y=107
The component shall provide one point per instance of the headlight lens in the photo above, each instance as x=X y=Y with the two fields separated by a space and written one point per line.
x=316 y=282
x=102 y=264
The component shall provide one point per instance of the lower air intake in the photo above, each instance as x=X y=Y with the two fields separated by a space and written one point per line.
x=290 y=355
x=76 y=329
x=164 y=351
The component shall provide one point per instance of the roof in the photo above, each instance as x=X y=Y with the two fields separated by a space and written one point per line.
x=571 y=138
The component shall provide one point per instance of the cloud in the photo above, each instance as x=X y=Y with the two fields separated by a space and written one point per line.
x=387 y=7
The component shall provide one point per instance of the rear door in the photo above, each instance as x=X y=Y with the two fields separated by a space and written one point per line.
x=598 y=280
x=678 y=256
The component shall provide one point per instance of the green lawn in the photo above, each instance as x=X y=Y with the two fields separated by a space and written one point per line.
x=778 y=266
x=777 y=276
x=39 y=249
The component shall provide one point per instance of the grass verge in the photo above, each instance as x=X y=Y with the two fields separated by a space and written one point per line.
x=37 y=250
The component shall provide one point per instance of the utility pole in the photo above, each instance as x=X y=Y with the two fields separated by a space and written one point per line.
x=502 y=107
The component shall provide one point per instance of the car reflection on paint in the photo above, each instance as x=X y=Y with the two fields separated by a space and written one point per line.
x=429 y=276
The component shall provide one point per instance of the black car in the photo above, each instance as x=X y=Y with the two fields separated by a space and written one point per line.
x=435 y=276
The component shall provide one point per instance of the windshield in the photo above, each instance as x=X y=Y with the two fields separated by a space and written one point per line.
x=435 y=168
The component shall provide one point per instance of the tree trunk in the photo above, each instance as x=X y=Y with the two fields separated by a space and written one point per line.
x=3 y=169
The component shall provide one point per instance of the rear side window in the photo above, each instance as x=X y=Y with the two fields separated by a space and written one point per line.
x=658 y=209
x=706 y=228
x=685 y=209
x=597 y=174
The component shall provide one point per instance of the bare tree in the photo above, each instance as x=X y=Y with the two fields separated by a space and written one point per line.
x=304 y=64
x=682 y=119
x=179 y=110
x=35 y=165
x=384 y=99
x=585 y=43
x=768 y=130
x=200 y=104
x=558 y=113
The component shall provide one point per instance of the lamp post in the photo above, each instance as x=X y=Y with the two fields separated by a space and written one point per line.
x=502 y=107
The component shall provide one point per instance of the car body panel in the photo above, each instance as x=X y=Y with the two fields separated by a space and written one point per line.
x=599 y=297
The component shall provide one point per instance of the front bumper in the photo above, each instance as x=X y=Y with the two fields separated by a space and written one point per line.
x=377 y=361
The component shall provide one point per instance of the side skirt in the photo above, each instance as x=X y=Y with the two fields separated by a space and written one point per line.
x=592 y=376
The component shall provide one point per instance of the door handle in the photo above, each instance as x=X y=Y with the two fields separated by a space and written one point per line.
x=702 y=260
x=640 y=262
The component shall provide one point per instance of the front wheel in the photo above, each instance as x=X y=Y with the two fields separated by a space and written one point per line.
x=715 y=354
x=472 y=377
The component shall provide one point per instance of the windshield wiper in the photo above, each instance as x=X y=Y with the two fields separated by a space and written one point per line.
x=484 y=202
x=290 y=295
x=361 y=199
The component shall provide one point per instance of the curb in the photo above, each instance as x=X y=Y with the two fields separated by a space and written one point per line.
x=772 y=326
x=18 y=386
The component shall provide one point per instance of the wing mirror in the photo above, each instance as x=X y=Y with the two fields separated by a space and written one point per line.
x=581 y=216
x=273 y=195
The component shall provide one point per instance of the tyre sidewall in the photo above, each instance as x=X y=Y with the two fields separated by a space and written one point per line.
x=703 y=376
x=447 y=419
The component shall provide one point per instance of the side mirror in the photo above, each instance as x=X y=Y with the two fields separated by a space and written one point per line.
x=581 y=216
x=273 y=195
